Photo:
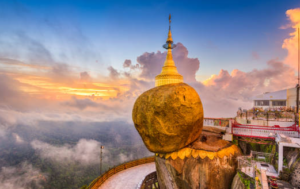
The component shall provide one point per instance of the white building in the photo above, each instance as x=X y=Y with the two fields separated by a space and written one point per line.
x=282 y=98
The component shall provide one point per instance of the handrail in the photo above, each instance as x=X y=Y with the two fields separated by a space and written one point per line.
x=149 y=181
x=96 y=183
x=239 y=125
x=263 y=131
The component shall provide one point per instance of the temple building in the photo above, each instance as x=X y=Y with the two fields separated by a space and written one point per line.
x=277 y=99
x=169 y=73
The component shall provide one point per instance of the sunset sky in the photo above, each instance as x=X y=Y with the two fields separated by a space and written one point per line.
x=89 y=60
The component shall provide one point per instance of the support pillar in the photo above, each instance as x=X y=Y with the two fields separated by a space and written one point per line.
x=280 y=157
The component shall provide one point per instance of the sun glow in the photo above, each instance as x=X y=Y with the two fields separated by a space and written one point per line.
x=48 y=88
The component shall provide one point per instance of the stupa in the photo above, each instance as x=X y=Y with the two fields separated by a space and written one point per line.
x=169 y=73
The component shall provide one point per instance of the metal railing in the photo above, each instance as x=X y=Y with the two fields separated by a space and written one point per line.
x=150 y=182
x=263 y=131
x=269 y=116
x=101 y=179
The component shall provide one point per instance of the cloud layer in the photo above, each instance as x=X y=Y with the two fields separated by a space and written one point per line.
x=85 y=152
x=21 y=177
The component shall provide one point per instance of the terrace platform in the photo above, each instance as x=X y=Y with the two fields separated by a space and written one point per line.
x=129 y=178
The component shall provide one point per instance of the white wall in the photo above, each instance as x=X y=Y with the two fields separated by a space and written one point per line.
x=291 y=97
x=265 y=122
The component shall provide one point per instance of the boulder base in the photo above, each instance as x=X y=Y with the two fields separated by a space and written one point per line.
x=208 y=163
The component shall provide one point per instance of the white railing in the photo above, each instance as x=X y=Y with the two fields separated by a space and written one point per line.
x=208 y=122
x=221 y=122
x=237 y=129
x=263 y=132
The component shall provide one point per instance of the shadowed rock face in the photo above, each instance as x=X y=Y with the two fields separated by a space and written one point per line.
x=168 y=117
x=204 y=173
x=193 y=173
x=294 y=164
x=237 y=183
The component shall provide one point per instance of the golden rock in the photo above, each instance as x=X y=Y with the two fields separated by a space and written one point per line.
x=168 y=117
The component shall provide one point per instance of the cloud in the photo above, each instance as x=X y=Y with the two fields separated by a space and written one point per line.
x=113 y=73
x=11 y=94
x=21 y=65
x=232 y=90
x=60 y=71
x=17 y=138
x=187 y=67
x=244 y=85
x=291 y=43
x=127 y=63
x=9 y=88
x=32 y=50
x=222 y=94
x=151 y=63
x=125 y=158
x=21 y=177
x=85 y=152
x=11 y=118
x=80 y=103
x=85 y=77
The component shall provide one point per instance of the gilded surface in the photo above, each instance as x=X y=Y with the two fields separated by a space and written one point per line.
x=168 y=117
x=169 y=73
x=189 y=152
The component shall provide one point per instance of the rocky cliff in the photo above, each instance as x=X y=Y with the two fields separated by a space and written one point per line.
x=293 y=158
x=237 y=183
x=208 y=163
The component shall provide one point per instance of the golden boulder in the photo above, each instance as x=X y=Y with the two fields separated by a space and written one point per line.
x=168 y=117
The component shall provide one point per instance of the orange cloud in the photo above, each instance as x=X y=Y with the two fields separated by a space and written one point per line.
x=210 y=80
x=291 y=43
x=45 y=87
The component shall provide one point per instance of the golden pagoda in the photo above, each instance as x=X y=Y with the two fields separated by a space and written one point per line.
x=169 y=73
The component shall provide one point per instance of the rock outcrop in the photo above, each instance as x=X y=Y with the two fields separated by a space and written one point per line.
x=208 y=163
x=293 y=158
x=168 y=117
x=237 y=183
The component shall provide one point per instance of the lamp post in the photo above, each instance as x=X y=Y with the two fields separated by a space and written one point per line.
x=297 y=102
x=101 y=147
x=297 y=86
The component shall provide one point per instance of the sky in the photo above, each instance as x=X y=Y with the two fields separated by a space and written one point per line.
x=89 y=60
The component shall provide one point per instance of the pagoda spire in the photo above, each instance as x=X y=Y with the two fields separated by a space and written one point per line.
x=169 y=73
